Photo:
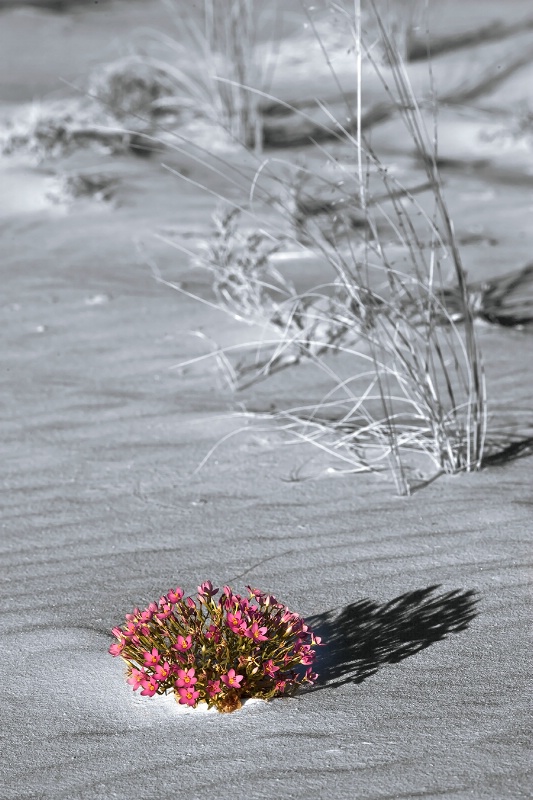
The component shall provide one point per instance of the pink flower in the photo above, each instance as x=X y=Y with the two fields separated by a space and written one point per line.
x=186 y=677
x=175 y=595
x=188 y=697
x=316 y=640
x=270 y=600
x=213 y=633
x=150 y=687
x=236 y=624
x=206 y=590
x=213 y=688
x=231 y=679
x=162 y=671
x=256 y=633
x=234 y=619
x=117 y=633
x=190 y=602
x=270 y=668
x=146 y=615
x=151 y=659
x=184 y=643
x=136 y=678
x=116 y=649
x=300 y=627
x=280 y=686
x=310 y=676
x=165 y=610
x=130 y=629
x=307 y=656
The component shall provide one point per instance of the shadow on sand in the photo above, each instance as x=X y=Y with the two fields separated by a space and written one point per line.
x=364 y=635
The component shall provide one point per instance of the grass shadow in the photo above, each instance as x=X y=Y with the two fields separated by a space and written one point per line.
x=365 y=635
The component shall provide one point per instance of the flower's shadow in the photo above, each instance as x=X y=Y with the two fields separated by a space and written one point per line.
x=364 y=635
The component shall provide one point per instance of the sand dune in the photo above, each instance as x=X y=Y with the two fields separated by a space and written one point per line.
x=103 y=509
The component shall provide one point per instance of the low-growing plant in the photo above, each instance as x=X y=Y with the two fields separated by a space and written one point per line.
x=219 y=651
x=118 y=111
x=245 y=281
x=50 y=130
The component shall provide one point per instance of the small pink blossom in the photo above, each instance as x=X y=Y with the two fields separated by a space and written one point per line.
x=310 y=676
x=236 y=623
x=231 y=679
x=175 y=595
x=130 y=629
x=151 y=659
x=162 y=671
x=213 y=688
x=136 y=678
x=270 y=600
x=257 y=633
x=190 y=602
x=117 y=633
x=116 y=648
x=188 y=696
x=165 y=610
x=206 y=590
x=213 y=633
x=270 y=668
x=234 y=619
x=307 y=656
x=150 y=687
x=186 y=677
x=183 y=643
x=300 y=627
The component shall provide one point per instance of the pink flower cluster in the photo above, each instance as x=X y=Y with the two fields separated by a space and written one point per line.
x=218 y=651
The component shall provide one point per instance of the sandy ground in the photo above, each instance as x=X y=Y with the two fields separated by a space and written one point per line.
x=103 y=509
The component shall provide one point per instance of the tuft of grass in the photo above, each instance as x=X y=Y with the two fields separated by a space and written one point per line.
x=214 y=62
x=122 y=106
x=408 y=387
x=52 y=130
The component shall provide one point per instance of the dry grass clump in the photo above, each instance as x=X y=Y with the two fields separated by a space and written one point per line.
x=50 y=130
x=405 y=389
x=97 y=186
x=245 y=281
x=124 y=102
x=213 y=62
x=132 y=88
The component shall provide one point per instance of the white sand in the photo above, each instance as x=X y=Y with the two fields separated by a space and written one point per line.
x=102 y=509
